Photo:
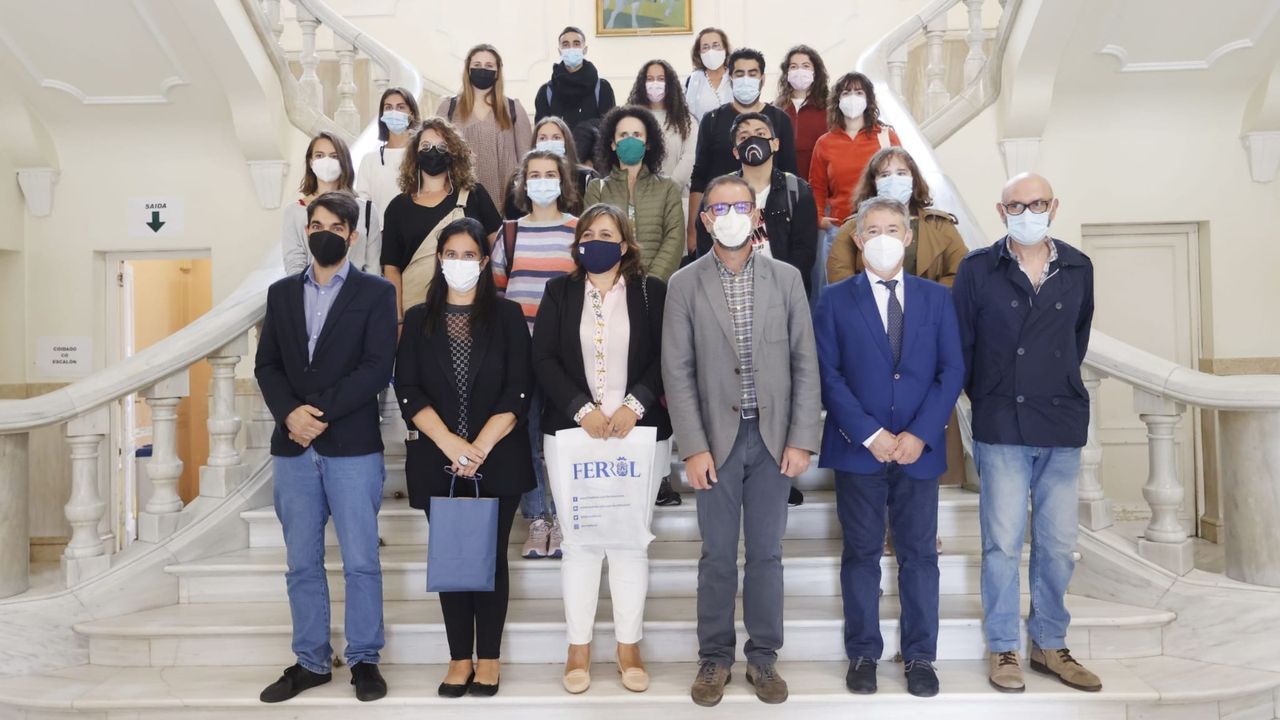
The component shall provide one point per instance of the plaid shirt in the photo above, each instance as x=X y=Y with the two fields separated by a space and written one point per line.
x=1048 y=270
x=740 y=293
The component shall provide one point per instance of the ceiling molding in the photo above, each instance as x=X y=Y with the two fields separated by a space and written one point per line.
x=1245 y=43
x=177 y=79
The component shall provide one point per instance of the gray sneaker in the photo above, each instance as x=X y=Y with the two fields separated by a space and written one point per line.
x=554 y=539
x=539 y=536
x=708 y=686
x=769 y=685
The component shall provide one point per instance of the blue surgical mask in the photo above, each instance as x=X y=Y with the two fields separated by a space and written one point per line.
x=543 y=191
x=895 y=187
x=746 y=90
x=555 y=146
x=396 y=121
x=1028 y=228
x=571 y=57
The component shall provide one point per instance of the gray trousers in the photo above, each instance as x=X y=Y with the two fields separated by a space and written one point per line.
x=752 y=491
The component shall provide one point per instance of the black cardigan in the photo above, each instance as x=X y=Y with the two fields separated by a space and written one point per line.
x=557 y=353
x=500 y=382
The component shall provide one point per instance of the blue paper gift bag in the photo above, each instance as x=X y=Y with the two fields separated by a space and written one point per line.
x=463 y=545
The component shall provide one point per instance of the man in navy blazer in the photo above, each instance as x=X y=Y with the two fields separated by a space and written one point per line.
x=326 y=350
x=890 y=379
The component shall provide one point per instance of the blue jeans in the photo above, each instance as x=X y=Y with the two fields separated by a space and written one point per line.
x=1008 y=475
x=309 y=489
x=537 y=503
x=819 y=274
x=861 y=501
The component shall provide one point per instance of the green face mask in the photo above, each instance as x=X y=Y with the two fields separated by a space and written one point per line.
x=630 y=151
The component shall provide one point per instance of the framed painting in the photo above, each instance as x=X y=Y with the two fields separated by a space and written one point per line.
x=643 y=17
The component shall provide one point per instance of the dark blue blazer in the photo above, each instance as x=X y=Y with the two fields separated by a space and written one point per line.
x=864 y=391
x=351 y=365
x=1023 y=349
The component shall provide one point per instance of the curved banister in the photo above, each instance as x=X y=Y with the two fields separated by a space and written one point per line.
x=1107 y=355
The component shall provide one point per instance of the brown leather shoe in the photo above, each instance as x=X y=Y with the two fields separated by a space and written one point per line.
x=1006 y=672
x=1061 y=665
x=769 y=685
x=708 y=686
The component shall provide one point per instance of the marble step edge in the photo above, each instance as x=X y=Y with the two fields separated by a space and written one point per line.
x=814 y=686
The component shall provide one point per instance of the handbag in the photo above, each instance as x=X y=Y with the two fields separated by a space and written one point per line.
x=604 y=488
x=462 y=549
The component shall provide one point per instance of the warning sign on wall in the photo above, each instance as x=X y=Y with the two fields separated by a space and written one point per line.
x=156 y=216
x=64 y=355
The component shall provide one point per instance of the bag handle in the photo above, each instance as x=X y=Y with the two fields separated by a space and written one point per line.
x=453 y=479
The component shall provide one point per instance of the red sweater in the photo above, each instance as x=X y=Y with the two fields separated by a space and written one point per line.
x=810 y=124
x=838 y=162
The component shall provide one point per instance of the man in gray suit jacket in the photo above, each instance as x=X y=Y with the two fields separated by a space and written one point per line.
x=741 y=376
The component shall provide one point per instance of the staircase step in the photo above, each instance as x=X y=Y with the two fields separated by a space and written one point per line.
x=399 y=524
x=810 y=567
x=816 y=691
x=226 y=634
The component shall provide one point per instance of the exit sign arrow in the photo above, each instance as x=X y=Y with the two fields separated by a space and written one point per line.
x=156 y=223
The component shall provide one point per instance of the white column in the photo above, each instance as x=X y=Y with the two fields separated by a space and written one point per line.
x=1165 y=541
x=159 y=519
x=1095 y=508
x=381 y=81
x=976 y=59
x=897 y=68
x=346 y=115
x=1250 y=459
x=15 y=534
x=312 y=89
x=224 y=470
x=85 y=555
x=272 y=8
x=936 y=68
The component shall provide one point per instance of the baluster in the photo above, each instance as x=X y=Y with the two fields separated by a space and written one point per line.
x=1095 y=508
x=15 y=515
x=1165 y=541
x=346 y=115
x=272 y=8
x=936 y=69
x=224 y=470
x=381 y=81
x=312 y=90
x=85 y=555
x=976 y=59
x=159 y=519
x=897 y=69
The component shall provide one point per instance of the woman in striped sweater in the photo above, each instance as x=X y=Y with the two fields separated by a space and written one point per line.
x=526 y=254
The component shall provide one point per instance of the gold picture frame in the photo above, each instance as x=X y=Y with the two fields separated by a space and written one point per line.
x=621 y=18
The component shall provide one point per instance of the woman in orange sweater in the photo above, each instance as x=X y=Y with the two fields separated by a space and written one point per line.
x=854 y=134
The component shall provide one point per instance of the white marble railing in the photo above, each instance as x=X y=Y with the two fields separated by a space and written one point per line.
x=1248 y=405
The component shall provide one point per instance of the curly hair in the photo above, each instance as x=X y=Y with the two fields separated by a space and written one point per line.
x=570 y=199
x=462 y=168
x=866 y=187
x=678 y=116
x=854 y=81
x=631 y=266
x=655 y=149
x=817 y=91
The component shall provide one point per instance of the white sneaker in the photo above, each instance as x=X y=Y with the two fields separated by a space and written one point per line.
x=539 y=535
x=553 y=542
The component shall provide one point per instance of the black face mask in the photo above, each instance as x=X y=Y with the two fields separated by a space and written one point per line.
x=434 y=160
x=328 y=248
x=754 y=151
x=483 y=79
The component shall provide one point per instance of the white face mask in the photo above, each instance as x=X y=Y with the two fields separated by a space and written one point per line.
x=461 y=275
x=712 y=59
x=896 y=187
x=327 y=169
x=800 y=78
x=656 y=91
x=883 y=253
x=853 y=105
x=543 y=191
x=731 y=229
x=746 y=90
x=555 y=146
x=1028 y=228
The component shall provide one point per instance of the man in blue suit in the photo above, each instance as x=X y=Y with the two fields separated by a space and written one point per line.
x=889 y=381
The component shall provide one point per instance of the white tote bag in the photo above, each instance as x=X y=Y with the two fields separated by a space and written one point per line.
x=603 y=488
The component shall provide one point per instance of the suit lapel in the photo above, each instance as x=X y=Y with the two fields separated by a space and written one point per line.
x=866 y=302
x=480 y=342
x=296 y=311
x=713 y=289
x=440 y=348
x=571 y=323
x=350 y=287
x=766 y=297
x=913 y=318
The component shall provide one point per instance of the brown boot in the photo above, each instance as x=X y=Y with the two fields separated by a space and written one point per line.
x=1061 y=665
x=708 y=686
x=1006 y=672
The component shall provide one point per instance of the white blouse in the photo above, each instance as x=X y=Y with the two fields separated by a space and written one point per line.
x=605 y=337
x=702 y=98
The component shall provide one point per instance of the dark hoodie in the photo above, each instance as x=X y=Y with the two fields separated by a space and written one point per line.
x=573 y=96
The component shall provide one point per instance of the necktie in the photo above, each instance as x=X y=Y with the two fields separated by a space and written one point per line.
x=895 y=320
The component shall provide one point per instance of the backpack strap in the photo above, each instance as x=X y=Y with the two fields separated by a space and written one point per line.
x=884 y=137
x=510 y=228
x=368 y=210
x=511 y=109
x=793 y=193
x=548 y=96
x=597 y=91
x=453 y=105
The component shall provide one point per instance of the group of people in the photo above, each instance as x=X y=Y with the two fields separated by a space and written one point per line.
x=590 y=302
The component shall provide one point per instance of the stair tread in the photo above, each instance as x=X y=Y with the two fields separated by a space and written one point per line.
x=405 y=615
x=104 y=688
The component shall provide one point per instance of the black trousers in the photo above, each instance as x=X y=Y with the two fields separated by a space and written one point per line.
x=473 y=621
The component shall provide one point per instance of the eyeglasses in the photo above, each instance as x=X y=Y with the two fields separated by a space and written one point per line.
x=429 y=147
x=720 y=209
x=1037 y=206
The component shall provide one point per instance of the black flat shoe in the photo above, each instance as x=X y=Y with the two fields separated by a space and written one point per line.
x=796 y=498
x=368 y=681
x=667 y=496
x=861 y=678
x=922 y=679
x=449 y=690
x=483 y=690
x=294 y=680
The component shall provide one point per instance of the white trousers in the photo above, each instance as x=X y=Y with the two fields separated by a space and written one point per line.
x=581 y=566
